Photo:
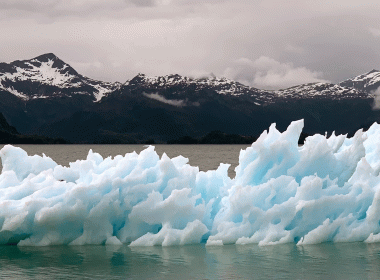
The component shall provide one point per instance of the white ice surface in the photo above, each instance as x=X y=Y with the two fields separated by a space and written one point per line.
x=326 y=190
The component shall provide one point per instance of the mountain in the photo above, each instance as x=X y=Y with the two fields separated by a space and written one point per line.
x=47 y=76
x=179 y=86
x=367 y=82
x=9 y=135
x=5 y=127
x=46 y=96
x=321 y=90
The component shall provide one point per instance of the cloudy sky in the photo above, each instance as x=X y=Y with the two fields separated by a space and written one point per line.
x=263 y=43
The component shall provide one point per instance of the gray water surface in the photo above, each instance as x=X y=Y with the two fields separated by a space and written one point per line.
x=323 y=261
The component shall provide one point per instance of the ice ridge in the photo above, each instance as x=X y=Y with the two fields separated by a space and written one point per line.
x=327 y=190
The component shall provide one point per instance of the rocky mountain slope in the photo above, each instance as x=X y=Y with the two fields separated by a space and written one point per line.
x=367 y=82
x=10 y=135
x=47 y=76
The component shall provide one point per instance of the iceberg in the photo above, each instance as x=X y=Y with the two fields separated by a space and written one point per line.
x=327 y=190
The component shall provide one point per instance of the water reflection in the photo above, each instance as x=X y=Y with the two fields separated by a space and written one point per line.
x=334 y=261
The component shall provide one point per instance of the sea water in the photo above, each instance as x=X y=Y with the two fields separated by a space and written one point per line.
x=356 y=260
x=285 y=261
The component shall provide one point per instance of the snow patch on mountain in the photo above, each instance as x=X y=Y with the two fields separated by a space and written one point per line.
x=313 y=90
x=368 y=82
x=43 y=73
x=371 y=77
x=102 y=88
x=24 y=79
x=14 y=92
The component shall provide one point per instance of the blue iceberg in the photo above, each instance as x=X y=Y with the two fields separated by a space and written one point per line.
x=327 y=190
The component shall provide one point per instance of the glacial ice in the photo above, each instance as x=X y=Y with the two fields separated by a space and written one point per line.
x=327 y=190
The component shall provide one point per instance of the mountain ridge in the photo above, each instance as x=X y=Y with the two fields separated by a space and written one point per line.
x=368 y=82
x=46 y=96
x=47 y=76
x=62 y=79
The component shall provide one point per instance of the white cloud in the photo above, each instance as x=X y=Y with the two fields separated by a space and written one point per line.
x=115 y=39
x=268 y=73
x=376 y=99
x=173 y=102
x=375 y=32
x=294 y=49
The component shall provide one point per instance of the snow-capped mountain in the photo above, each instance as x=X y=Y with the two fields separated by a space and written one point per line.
x=367 y=82
x=321 y=90
x=46 y=96
x=220 y=85
x=47 y=76
x=178 y=85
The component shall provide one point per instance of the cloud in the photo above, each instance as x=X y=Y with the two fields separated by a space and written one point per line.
x=375 y=32
x=115 y=39
x=82 y=9
x=376 y=99
x=268 y=73
x=29 y=5
x=173 y=102
x=48 y=11
x=85 y=9
x=294 y=49
x=143 y=3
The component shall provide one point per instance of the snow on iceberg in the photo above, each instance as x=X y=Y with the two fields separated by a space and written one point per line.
x=326 y=190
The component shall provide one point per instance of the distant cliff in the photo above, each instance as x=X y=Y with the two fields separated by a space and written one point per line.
x=9 y=135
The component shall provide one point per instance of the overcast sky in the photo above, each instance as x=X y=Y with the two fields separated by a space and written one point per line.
x=263 y=43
